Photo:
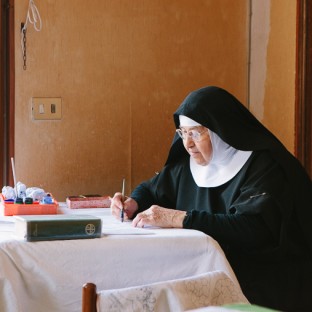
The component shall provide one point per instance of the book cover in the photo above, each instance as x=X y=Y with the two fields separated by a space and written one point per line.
x=57 y=227
x=88 y=201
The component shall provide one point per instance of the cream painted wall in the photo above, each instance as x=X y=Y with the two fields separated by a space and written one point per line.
x=122 y=68
x=273 y=66
x=279 y=111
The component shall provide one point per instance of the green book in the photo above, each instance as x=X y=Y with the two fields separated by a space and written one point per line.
x=57 y=227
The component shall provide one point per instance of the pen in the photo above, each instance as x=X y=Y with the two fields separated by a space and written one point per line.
x=123 y=196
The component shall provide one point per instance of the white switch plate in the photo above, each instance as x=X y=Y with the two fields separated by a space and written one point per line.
x=46 y=108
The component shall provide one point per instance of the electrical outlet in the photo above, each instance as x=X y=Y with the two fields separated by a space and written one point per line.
x=46 y=108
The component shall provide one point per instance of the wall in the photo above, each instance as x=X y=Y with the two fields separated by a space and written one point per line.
x=273 y=66
x=121 y=68
x=280 y=83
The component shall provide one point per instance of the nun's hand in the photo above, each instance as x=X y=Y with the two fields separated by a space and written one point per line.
x=160 y=217
x=129 y=205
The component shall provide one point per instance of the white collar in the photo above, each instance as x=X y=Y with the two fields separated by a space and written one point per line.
x=225 y=163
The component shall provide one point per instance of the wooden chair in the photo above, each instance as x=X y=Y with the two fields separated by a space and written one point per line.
x=89 y=296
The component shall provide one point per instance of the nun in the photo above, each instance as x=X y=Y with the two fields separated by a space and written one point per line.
x=229 y=177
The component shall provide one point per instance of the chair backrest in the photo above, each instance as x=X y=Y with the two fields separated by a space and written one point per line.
x=89 y=296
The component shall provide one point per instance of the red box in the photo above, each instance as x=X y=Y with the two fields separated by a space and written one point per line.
x=77 y=202
x=10 y=209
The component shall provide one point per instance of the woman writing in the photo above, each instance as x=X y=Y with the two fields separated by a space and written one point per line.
x=229 y=177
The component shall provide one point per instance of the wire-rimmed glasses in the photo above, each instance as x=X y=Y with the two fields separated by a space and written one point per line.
x=194 y=134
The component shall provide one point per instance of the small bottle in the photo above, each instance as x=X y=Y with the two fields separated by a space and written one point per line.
x=18 y=200
x=28 y=200
x=47 y=199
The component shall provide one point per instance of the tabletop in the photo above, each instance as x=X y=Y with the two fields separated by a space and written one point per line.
x=50 y=274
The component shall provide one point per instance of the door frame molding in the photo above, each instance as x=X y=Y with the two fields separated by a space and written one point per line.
x=303 y=108
x=7 y=90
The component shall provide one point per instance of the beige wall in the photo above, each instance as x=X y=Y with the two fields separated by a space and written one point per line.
x=272 y=75
x=122 y=68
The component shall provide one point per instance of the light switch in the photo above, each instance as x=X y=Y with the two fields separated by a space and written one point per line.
x=41 y=108
x=46 y=108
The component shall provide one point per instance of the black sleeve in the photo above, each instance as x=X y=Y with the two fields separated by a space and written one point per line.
x=243 y=231
x=143 y=196
x=159 y=190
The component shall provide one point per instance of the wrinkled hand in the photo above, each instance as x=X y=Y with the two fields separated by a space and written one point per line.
x=159 y=216
x=129 y=204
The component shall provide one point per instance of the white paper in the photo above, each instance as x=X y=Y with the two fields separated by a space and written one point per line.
x=112 y=226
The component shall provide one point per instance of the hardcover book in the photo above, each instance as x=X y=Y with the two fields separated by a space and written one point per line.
x=88 y=201
x=57 y=227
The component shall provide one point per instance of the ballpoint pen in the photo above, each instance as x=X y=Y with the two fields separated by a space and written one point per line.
x=122 y=199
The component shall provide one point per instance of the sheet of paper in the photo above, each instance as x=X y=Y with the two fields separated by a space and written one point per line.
x=112 y=226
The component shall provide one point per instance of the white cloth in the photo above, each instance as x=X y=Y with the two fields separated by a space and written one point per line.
x=212 y=288
x=187 y=122
x=50 y=274
x=225 y=163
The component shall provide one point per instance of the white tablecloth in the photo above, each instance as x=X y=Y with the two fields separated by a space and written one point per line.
x=48 y=276
x=213 y=288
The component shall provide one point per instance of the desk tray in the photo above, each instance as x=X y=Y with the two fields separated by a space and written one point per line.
x=10 y=209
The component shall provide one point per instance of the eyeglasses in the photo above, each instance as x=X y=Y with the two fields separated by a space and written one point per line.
x=195 y=135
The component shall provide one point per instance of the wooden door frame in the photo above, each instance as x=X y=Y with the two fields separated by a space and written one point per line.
x=7 y=91
x=303 y=118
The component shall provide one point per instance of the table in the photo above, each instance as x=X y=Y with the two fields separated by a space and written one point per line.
x=48 y=275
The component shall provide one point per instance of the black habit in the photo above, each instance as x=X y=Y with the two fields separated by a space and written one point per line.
x=262 y=218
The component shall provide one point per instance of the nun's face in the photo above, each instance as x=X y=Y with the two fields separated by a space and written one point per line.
x=197 y=142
